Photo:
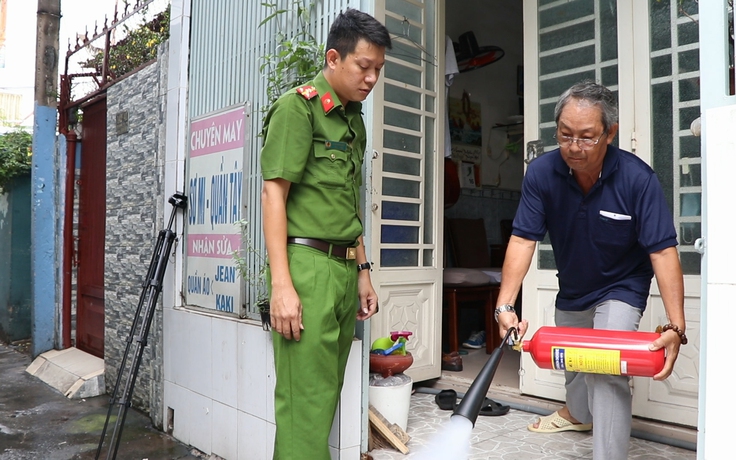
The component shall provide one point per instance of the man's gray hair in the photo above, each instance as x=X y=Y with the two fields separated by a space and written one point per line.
x=597 y=95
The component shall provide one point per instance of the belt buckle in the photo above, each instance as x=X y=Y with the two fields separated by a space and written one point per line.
x=350 y=254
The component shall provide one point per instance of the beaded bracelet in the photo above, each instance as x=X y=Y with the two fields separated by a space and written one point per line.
x=673 y=327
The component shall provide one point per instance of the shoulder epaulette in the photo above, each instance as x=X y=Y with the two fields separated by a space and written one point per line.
x=307 y=91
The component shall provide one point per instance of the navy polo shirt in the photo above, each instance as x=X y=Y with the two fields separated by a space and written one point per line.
x=602 y=240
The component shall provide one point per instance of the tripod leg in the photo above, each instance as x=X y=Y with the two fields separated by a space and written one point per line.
x=139 y=331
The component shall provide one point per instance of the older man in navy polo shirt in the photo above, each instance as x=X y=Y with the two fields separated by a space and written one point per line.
x=611 y=231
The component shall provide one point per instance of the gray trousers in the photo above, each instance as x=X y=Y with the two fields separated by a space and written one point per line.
x=604 y=400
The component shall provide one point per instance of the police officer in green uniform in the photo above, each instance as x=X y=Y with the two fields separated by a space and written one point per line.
x=312 y=158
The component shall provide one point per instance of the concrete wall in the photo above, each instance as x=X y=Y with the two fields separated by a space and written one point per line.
x=135 y=207
x=15 y=260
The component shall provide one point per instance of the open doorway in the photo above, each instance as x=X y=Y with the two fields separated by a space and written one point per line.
x=486 y=147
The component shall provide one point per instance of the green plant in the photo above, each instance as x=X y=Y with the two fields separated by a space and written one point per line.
x=137 y=48
x=297 y=57
x=15 y=156
x=251 y=265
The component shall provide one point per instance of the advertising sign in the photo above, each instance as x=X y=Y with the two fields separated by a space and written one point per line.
x=217 y=145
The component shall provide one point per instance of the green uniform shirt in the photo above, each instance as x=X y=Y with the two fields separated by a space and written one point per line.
x=315 y=143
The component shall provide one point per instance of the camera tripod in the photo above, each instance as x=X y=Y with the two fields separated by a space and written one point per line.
x=138 y=337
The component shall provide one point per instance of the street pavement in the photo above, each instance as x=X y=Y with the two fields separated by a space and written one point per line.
x=37 y=422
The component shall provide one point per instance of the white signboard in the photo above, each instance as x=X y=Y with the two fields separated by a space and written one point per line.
x=215 y=170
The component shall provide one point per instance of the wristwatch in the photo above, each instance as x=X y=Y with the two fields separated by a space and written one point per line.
x=502 y=309
x=364 y=266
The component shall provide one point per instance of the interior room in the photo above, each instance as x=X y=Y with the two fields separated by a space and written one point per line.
x=484 y=163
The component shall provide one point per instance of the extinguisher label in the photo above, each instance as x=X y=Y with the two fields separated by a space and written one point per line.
x=587 y=360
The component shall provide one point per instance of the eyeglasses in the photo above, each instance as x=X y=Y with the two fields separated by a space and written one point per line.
x=583 y=143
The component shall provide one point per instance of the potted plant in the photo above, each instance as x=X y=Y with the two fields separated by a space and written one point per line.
x=251 y=264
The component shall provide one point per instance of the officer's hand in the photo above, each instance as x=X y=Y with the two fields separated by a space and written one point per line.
x=671 y=343
x=286 y=313
x=367 y=295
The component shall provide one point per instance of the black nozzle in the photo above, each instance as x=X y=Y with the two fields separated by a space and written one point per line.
x=178 y=200
x=472 y=402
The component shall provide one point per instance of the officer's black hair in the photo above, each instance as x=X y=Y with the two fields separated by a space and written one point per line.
x=352 y=25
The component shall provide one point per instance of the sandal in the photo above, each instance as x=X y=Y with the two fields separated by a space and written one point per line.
x=492 y=408
x=555 y=423
x=446 y=399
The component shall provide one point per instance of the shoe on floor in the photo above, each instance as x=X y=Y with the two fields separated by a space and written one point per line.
x=452 y=362
x=554 y=423
x=476 y=340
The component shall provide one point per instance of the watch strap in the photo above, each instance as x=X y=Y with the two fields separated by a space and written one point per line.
x=502 y=309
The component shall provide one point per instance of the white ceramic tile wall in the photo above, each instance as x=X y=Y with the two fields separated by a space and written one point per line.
x=219 y=379
x=175 y=399
x=224 y=431
x=255 y=372
x=225 y=362
x=176 y=346
x=199 y=410
x=255 y=438
x=199 y=361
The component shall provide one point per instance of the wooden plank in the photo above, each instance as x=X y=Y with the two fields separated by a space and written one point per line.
x=386 y=430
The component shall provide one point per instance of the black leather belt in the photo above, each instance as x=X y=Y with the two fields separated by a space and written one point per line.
x=344 y=252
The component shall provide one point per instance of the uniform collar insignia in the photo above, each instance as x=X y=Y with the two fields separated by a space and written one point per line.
x=328 y=102
x=307 y=91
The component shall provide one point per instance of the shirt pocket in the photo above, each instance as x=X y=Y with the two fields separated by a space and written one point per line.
x=332 y=164
x=611 y=232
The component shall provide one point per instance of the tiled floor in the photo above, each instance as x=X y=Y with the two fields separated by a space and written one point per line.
x=506 y=437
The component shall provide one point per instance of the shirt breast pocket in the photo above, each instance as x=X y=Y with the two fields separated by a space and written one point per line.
x=332 y=164
x=611 y=232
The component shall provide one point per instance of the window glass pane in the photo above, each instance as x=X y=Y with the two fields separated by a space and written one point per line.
x=562 y=61
x=661 y=66
x=609 y=29
x=689 y=147
x=399 y=187
x=576 y=33
x=404 y=8
x=401 y=141
x=402 y=96
x=398 y=72
x=609 y=76
x=392 y=210
x=401 y=165
x=659 y=25
x=690 y=204
x=688 y=115
x=428 y=257
x=399 y=257
x=547 y=260
x=556 y=86
x=690 y=175
x=402 y=119
x=399 y=234
x=564 y=12
x=689 y=61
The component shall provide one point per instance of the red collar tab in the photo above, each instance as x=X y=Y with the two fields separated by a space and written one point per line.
x=307 y=91
x=327 y=102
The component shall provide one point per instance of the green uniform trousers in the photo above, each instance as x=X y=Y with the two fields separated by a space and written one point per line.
x=310 y=373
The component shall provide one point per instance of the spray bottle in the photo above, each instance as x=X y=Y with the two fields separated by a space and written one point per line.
x=595 y=351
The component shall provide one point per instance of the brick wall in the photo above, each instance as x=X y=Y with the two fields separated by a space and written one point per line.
x=135 y=208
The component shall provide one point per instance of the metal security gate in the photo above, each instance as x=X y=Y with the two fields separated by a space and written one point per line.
x=91 y=246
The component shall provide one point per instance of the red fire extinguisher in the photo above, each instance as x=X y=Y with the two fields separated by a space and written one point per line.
x=597 y=351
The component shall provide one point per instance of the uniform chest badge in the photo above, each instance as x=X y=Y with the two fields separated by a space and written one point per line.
x=307 y=91
x=327 y=102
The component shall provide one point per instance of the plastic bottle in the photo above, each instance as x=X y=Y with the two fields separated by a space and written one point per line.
x=596 y=351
